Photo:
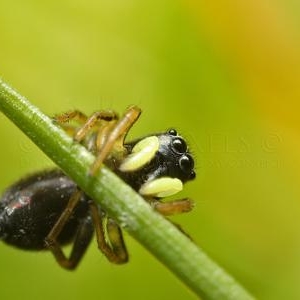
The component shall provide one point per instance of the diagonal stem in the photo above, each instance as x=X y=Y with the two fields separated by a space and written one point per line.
x=188 y=262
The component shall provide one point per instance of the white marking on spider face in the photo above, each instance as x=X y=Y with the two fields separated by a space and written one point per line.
x=161 y=187
x=142 y=153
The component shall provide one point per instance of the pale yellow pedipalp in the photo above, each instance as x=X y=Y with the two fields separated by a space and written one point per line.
x=161 y=187
x=142 y=153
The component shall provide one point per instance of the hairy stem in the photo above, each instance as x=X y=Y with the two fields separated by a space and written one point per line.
x=187 y=261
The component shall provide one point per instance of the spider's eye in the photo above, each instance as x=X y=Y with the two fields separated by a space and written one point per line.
x=186 y=163
x=173 y=132
x=179 y=145
x=192 y=175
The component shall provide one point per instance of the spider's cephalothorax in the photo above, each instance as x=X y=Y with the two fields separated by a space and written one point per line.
x=157 y=165
x=47 y=210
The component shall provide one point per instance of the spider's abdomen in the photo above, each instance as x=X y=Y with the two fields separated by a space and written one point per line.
x=30 y=208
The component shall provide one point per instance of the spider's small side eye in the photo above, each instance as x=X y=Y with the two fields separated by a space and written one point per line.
x=173 y=132
x=192 y=175
x=186 y=163
x=179 y=145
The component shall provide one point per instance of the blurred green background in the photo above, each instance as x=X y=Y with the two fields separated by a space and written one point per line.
x=226 y=74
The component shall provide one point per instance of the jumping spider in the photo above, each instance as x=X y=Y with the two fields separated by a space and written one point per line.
x=47 y=210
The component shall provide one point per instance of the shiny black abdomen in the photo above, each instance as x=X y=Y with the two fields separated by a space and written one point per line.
x=30 y=208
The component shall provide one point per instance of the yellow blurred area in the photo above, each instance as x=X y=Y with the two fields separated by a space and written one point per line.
x=226 y=74
x=260 y=39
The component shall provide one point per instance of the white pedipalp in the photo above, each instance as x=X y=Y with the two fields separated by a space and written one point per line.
x=142 y=153
x=161 y=187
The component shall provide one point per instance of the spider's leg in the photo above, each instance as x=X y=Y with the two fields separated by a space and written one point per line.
x=109 y=236
x=93 y=121
x=82 y=238
x=72 y=115
x=64 y=120
x=173 y=207
x=116 y=137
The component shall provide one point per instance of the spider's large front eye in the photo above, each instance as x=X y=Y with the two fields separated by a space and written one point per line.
x=186 y=163
x=179 y=145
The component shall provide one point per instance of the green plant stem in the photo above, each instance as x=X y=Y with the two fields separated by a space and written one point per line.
x=157 y=234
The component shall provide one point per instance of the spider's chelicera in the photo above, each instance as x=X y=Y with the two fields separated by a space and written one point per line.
x=47 y=210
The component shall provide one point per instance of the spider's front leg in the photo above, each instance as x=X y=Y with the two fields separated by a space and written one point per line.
x=115 y=138
x=173 y=207
x=111 y=131
x=96 y=121
x=64 y=120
